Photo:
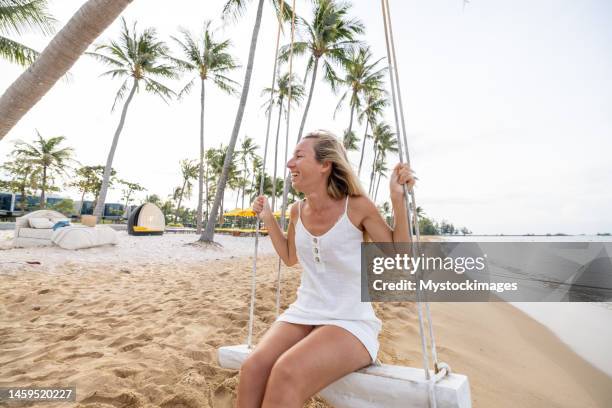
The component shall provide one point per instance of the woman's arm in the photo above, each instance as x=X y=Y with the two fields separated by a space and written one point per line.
x=284 y=245
x=373 y=222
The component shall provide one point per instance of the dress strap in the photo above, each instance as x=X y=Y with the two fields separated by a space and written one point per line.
x=299 y=209
x=346 y=205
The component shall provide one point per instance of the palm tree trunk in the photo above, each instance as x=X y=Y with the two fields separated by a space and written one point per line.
x=98 y=211
x=43 y=188
x=365 y=134
x=209 y=233
x=351 y=119
x=201 y=167
x=82 y=202
x=178 y=207
x=310 y=92
x=372 y=172
x=206 y=186
x=244 y=181
x=377 y=184
x=280 y=110
x=22 y=204
x=56 y=59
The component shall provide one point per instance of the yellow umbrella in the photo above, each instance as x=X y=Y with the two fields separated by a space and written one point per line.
x=247 y=212
x=277 y=214
x=234 y=213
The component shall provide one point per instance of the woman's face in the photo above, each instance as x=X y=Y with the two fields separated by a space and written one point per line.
x=306 y=172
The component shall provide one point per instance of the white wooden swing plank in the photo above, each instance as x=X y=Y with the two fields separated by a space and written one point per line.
x=385 y=385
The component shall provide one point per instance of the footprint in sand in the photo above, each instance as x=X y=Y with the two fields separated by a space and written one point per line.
x=92 y=354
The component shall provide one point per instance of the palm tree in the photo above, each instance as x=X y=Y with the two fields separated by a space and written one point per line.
x=24 y=178
x=18 y=16
x=278 y=98
x=56 y=59
x=233 y=9
x=362 y=78
x=373 y=108
x=135 y=58
x=210 y=60
x=246 y=152
x=189 y=171
x=217 y=165
x=328 y=39
x=47 y=156
x=384 y=142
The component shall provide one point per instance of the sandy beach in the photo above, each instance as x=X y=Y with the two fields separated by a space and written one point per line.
x=138 y=325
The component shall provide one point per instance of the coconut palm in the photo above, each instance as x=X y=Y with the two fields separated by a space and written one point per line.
x=362 y=77
x=46 y=155
x=384 y=142
x=328 y=39
x=135 y=58
x=279 y=95
x=19 y=16
x=373 y=108
x=189 y=171
x=234 y=9
x=210 y=60
x=218 y=166
x=72 y=40
x=246 y=153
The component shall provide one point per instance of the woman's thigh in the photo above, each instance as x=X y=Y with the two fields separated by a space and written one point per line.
x=325 y=355
x=280 y=337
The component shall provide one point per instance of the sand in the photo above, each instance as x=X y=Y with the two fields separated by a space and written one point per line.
x=141 y=330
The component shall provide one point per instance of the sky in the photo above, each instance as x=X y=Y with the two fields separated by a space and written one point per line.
x=508 y=107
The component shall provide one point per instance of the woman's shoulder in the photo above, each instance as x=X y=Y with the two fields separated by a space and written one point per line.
x=361 y=204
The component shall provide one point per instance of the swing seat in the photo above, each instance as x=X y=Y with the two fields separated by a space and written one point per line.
x=384 y=385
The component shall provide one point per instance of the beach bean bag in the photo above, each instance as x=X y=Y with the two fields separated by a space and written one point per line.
x=80 y=237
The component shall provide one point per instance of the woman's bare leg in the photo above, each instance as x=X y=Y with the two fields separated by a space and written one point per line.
x=256 y=368
x=325 y=355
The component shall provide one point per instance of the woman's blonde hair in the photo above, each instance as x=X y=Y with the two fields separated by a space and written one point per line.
x=342 y=180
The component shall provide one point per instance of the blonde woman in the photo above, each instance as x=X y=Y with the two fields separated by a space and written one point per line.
x=327 y=332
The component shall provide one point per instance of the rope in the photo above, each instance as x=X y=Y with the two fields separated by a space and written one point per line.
x=285 y=181
x=261 y=182
x=440 y=369
x=434 y=353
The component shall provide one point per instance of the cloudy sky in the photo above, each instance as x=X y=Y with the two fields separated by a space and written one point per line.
x=508 y=107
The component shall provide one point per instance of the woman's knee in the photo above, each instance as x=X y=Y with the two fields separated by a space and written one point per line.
x=256 y=365
x=285 y=382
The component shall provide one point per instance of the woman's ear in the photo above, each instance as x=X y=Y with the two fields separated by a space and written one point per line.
x=327 y=165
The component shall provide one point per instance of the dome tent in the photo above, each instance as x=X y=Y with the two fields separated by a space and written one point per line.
x=147 y=220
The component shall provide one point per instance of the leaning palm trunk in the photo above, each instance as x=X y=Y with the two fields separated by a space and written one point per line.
x=201 y=166
x=56 y=59
x=180 y=200
x=310 y=92
x=280 y=111
x=373 y=172
x=351 y=120
x=98 y=211
x=365 y=135
x=209 y=233
x=303 y=123
x=377 y=184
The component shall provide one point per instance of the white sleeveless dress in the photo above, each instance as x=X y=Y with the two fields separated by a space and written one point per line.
x=330 y=289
